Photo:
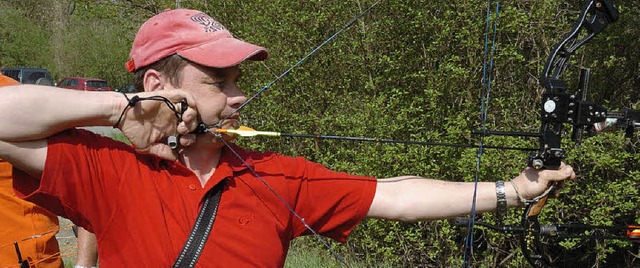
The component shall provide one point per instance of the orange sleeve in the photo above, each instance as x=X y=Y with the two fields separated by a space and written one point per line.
x=7 y=81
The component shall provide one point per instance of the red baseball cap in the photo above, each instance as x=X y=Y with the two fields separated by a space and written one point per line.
x=193 y=35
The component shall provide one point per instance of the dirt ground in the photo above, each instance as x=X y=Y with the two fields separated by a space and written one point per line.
x=68 y=242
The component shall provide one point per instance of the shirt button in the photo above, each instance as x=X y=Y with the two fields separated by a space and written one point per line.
x=192 y=187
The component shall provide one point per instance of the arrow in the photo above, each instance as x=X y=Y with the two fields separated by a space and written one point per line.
x=244 y=131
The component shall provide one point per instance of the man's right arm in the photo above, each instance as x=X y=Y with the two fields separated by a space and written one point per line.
x=29 y=114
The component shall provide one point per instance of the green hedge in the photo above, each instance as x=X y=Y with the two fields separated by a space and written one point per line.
x=407 y=70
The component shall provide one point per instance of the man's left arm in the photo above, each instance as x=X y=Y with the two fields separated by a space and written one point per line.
x=412 y=198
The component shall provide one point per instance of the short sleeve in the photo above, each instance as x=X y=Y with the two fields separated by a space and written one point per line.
x=82 y=172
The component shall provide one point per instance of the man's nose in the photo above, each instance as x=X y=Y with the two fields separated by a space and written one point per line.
x=236 y=97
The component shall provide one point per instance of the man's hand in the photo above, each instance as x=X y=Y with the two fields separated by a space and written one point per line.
x=532 y=182
x=149 y=122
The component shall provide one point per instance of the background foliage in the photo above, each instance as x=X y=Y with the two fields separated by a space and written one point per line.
x=407 y=70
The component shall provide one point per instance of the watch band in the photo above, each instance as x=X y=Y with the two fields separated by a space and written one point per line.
x=501 y=195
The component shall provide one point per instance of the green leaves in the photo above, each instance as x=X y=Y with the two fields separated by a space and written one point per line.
x=407 y=70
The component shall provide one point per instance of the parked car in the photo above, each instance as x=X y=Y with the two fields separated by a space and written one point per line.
x=83 y=83
x=127 y=88
x=30 y=75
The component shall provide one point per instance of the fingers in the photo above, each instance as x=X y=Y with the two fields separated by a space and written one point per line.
x=161 y=150
x=152 y=126
x=533 y=182
x=559 y=176
x=188 y=116
x=562 y=173
x=566 y=172
x=166 y=150
x=189 y=121
x=558 y=187
x=176 y=142
x=185 y=105
x=176 y=96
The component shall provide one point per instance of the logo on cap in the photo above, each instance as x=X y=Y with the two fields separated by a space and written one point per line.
x=210 y=25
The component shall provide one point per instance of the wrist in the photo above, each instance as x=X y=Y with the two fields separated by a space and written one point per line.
x=122 y=103
x=519 y=200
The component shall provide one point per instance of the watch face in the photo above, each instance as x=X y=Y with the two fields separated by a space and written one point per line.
x=501 y=193
x=500 y=190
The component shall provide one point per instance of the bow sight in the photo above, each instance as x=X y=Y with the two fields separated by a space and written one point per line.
x=585 y=117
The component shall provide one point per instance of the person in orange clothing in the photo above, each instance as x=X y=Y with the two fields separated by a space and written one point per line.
x=29 y=226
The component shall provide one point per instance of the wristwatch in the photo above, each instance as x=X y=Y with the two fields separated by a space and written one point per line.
x=501 y=195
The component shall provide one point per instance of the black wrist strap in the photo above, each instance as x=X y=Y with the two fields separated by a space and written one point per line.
x=201 y=229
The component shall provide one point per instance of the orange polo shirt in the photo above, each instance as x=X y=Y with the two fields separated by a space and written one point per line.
x=142 y=208
x=20 y=220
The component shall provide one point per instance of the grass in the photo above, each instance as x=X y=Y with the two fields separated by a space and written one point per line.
x=303 y=255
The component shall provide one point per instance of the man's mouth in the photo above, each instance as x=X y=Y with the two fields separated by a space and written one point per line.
x=231 y=121
x=225 y=120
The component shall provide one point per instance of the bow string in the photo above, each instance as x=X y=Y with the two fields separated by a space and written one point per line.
x=487 y=68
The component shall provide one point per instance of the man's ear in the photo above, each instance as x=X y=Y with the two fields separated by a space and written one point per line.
x=153 y=80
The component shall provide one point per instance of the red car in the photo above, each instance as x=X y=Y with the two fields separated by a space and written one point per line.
x=83 y=83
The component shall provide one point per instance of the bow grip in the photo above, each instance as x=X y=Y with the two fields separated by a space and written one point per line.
x=536 y=161
x=536 y=207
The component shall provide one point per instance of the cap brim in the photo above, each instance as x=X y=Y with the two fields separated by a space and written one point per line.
x=223 y=53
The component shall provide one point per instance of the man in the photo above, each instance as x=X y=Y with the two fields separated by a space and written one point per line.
x=142 y=202
x=32 y=227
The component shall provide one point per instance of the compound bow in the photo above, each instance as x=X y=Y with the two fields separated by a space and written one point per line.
x=558 y=108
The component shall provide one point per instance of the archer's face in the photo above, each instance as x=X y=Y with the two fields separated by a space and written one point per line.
x=216 y=92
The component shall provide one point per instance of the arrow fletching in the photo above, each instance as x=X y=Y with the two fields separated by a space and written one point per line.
x=244 y=131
